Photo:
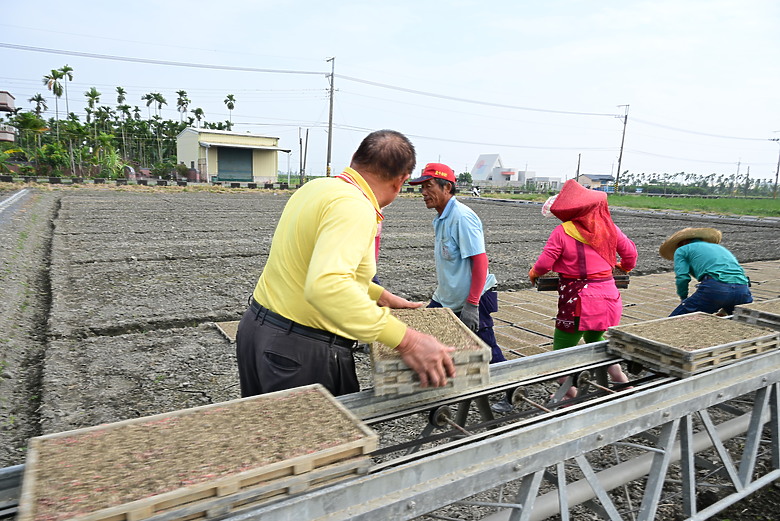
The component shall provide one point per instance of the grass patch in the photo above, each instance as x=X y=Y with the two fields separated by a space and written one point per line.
x=725 y=206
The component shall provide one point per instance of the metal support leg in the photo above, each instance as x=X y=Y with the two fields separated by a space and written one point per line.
x=712 y=431
x=563 y=496
x=687 y=466
x=657 y=475
x=528 y=490
x=595 y=484
x=774 y=423
x=753 y=440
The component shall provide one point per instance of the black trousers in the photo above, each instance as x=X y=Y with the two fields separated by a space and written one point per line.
x=271 y=359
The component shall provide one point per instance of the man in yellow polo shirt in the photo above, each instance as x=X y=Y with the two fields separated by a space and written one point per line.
x=315 y=300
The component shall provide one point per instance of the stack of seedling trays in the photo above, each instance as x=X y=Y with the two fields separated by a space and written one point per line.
x=202 y=462
x=549 y=281
x=688 y=344
x=765 y=314
x=471 y=356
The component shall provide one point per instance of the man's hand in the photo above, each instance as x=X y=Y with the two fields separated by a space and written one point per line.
x=469 y=315
x=533 y=276
x=427 y=357
x=389 y=300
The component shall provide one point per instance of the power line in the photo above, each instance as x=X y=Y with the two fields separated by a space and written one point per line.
x=695 y=132
x=465 y=100
x=154 y=62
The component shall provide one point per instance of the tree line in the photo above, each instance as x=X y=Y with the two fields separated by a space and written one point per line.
x=113 y=135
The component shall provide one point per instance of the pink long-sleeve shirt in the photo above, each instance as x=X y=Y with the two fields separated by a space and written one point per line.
x=560 y=254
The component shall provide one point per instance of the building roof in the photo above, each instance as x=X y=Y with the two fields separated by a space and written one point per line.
x=485 y=165
x=235 y=145
x=599 y=177
x=228 y=138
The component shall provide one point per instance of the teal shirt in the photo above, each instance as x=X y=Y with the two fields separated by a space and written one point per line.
x=700 y=258
x=458 y=236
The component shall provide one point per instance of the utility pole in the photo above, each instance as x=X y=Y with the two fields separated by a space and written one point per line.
x=579 y=157
x=304 y=147
x=774 y=192
x=330 y=115
x=300 y=158
x=622 y=141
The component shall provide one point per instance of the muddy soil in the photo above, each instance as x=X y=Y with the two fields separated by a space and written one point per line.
x=108 y=295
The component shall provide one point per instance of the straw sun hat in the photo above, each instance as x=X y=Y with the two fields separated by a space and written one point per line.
x=671 y=244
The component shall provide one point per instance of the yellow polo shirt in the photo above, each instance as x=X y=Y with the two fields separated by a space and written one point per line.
x=322 y=259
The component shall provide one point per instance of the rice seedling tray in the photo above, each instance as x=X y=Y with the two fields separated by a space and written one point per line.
x=195 y=463
x=549 y=281
x=765 y=313
x=688 y=344
x=471 y=356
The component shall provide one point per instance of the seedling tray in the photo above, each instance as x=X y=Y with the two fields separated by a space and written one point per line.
x=195 y=463
x=688 y=344
x=765 y=313
x=549 y=282
x=471 y=357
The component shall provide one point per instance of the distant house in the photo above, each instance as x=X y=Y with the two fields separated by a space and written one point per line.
x=6 y=101
x=545 y=183
x=221 y=155
x=595 y=181
x=490 y=171
x=6 y=105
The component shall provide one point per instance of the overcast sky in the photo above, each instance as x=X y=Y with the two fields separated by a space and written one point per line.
x=541 y=83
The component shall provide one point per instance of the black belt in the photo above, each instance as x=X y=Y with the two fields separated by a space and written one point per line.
x=266 y=315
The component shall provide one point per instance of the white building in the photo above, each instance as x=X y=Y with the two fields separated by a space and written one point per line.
x=490 y=171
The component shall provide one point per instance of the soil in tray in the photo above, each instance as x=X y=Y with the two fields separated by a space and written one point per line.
x=767 y=306
x=101 y=468
x=694 y=331
x=438 y=322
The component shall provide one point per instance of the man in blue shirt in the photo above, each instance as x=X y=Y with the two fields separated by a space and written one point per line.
x=722 y=281
x=464 y=283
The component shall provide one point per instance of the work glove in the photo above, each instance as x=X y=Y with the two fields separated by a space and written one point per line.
x=619 y=266
x=533 y=276
x=469 y=315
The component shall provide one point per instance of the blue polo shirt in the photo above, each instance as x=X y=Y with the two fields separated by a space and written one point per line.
x=459 y=236
x=700 y=258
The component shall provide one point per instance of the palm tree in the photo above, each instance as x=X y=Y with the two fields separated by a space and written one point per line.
x=121 y=95
x=40 y=104
x=124 y=111
x=230 y=101
x=67 y=74
x=93 y=98
x=160 y=101
x=149 y=99
x=198 y=113
x=52 y=82
x=182 y=102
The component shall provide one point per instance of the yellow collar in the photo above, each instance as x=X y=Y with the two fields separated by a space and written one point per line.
x=573 y=232
x=354 y=178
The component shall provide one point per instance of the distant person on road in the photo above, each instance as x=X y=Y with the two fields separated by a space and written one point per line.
x=464 y=283
x=583 y=250
x=697 y=253
x=314 y=299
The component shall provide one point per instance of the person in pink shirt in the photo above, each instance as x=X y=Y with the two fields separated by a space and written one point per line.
x=583 y=249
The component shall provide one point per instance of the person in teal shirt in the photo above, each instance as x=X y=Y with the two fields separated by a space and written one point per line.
x=697 y=253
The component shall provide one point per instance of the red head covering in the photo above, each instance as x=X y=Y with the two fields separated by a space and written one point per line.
x=589 y=211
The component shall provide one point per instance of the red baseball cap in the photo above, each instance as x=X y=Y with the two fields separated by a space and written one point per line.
x=435 y=171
